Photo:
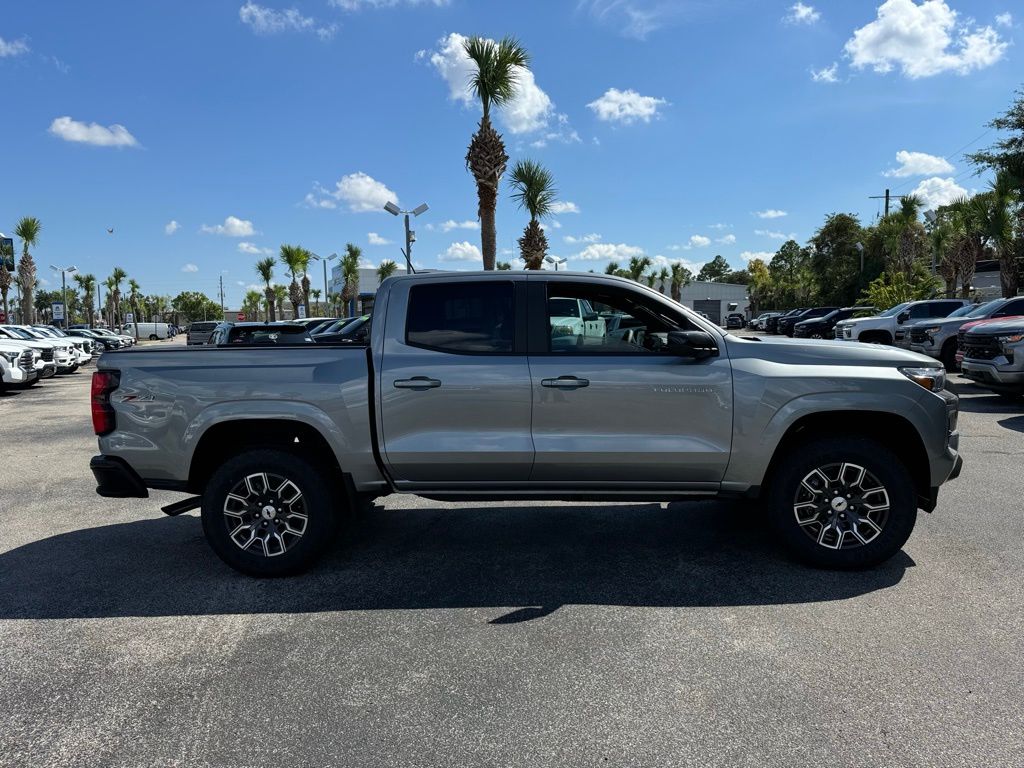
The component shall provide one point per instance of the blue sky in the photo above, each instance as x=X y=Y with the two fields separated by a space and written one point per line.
x=674 y=129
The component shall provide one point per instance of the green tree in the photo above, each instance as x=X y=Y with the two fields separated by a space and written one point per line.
x=280 y=294
x=833 y=261
x=637 y=266
x=737 y=277
x=535 y=193
x=760 y=285
x=265 y=269
x=87 y=283
x=715 y=270
x=295 y=258
x=889 y=289
x=350 y=274
x=193 y=305
x=385 y=270
x=1002 y=199
x=494 y=82
x=316 y=293
x=134 y=297
x=6 y=258
x=1007 y=154
x=114 y=285
x=251 y=304
x=504 y=266
x=681 y=277
x=27 y=230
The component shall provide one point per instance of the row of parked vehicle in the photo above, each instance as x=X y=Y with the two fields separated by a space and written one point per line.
x=310 y=330
x=31 y=353
x=983 y=340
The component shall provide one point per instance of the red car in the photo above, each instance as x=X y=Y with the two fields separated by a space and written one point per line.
x=967 y=326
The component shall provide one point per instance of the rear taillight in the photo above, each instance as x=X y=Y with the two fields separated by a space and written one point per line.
x=103 y=383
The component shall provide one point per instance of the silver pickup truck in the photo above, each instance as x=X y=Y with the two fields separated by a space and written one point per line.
x=473 y=387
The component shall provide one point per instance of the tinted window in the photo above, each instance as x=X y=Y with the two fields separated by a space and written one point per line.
x=462 y=317
x=1015 y=307
x=202 y=327
x=943 y=308
x=617 y=321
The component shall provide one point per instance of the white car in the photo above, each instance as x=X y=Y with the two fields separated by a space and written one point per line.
x=573 y=321
x=83 y=347
x=17 y=365
x=57 y=351
x=886 y=327
x=126 y=341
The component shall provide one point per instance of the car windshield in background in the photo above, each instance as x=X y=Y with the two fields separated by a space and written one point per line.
x=273 y=334
x=982 y=310
x=894 y=310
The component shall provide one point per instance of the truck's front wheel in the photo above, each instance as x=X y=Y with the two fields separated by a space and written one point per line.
x=843 y=503
x=268 y=513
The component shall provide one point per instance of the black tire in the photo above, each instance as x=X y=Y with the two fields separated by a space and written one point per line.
x=316 y=504
x=876 y=338
x=154 y=337
x=880 y=464
x=948 y=356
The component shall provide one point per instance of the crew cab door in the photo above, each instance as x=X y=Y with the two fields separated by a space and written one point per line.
x=619 y=411
x=454 y=383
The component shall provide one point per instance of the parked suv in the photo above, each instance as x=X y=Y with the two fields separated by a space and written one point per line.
x=772 y=324
x=994 y=356
x=199 y=333
x=824 y=327
x=938 y=337
x=882 y=328
x=17 y=365
x=786 y=324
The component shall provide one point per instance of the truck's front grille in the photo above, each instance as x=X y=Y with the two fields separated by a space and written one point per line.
x=918 y=336
x=982 y=347
x=27 y=360
x=48 y=355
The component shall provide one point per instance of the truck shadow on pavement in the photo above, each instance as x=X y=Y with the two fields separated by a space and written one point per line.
x=524 y=561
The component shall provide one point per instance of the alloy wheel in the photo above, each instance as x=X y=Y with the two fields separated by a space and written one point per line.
x=841 y=506
x=265 y=514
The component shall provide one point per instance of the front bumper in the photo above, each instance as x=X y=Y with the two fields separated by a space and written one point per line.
x=990 y=374
x=115 y=479
x=18 y=375
x=926 y=349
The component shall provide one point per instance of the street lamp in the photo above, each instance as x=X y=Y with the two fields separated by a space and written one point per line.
x=554 y=260
x=410 y=236
x=64 y=271
x=325 y=259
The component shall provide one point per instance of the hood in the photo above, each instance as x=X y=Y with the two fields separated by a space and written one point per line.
x=988 y=320
x=812 y=321
x=825 y=352
x=857 y=320
x=933 y=321
x=1002 y=325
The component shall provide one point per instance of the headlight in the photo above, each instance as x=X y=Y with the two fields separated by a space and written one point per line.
x=932 y=379
x=933 y=330
x=1010 y=339
x=11 y=357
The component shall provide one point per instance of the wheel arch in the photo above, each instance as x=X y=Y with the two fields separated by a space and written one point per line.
x=875 y=335
x=892 y=430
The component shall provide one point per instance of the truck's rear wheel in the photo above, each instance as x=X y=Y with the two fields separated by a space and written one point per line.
x=948 y=356
x=268 y=513
x=843 y=503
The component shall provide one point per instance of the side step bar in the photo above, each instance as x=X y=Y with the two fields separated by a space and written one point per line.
x=183 y=506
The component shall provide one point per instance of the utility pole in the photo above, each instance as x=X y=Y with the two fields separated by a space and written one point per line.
x=887 y=197
x=222 y=297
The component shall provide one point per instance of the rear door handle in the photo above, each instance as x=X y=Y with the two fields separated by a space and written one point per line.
x=565 y=382
x=417 y=382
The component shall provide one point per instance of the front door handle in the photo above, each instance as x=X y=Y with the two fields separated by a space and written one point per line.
x=417 y=382
x=565 y=382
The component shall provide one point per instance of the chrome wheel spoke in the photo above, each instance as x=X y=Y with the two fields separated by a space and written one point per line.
x=265 y=514
x=841 y=505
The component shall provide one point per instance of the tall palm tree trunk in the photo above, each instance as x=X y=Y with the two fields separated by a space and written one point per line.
x=486 y=160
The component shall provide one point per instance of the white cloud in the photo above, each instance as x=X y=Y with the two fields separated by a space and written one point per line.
x=1004 y=19
x=633 y=18
x=190 y=268
x=13 y=48
x=918 y=164
x=699 y=241
x=252 y=248
x=268 y=21
x=938 y=191
x=530 y=110
x=553 y=224
x=625 y=107
x=171 y=227
x=923 y=40
x=375 y=239
x=450 y=224
x=92 y=133
x=765 y=256
x=802 y=14
x=775 y=235
x=609 y=252
x=232 y=227
x=593 y=237
x=726 y=240
x=829 y=74
x=771 y=213
x=355 y=5
x=564 y=206
x=564 y=133
x=464 y=251
x=719 y=226
x=361 y=192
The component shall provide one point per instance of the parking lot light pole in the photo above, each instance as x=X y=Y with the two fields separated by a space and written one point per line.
x=64 y=272
x=410 y=236
x=325 y=259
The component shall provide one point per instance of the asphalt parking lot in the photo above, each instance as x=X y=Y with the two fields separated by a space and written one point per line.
x=506 y=635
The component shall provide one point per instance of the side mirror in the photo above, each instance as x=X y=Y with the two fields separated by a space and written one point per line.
x=695 y=344
x=902 y=317
x=591 y=317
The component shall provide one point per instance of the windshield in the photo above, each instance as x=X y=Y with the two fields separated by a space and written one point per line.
x=18 y=333
x=894 y=310
x=982 y=310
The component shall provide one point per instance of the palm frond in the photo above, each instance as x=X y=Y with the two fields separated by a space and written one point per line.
x=497 y=69
x=534 y=188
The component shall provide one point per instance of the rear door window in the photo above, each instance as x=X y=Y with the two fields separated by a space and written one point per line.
x=462 y=318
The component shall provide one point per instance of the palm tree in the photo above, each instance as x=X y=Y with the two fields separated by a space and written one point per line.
x=999 y=229
x=251 y=304
x=350 y=274
x=115 y=279
x=265 y=269
x=535 y=192
x=294 y=257
x=316 y=293
x=280 y=294
x=680 y=278
x=88 y=285
x=663 y=278
x=637 y=266
x=334 y=303
x=942 y=239
x=969 y=219
x=27 y=230
x=109 y=301
x=612 y=268
x=503 y=266
x=6 y=255
x=306 y=256
x=133 y=298
x=495 y=82
x=385 y=270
